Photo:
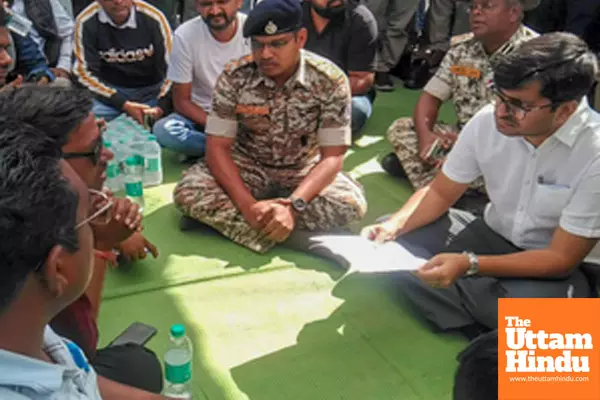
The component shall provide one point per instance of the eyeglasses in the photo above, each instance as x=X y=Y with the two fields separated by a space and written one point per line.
x=99 y=213
x=275 y=44
x=96 y=152
x=93 y=155
x=517 y=111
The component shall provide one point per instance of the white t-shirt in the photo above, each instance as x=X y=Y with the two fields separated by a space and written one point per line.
x=532 y=190
x=197 y=57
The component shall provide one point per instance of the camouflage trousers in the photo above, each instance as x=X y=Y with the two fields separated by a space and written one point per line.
x=405 y=141
x=199 y=196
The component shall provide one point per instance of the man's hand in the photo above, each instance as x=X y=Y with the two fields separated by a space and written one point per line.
x=380 y=233
x=425 y=144
x=14 y=84
x=135 y=110
x=444 y=269
x=126 y=220
x=255 y=213
x=60 y=73
x=134 y=248
x=155 y=112
x=280 y=220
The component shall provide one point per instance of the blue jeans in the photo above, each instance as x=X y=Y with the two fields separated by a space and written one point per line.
x=362 y=107
x=180 y=134
x=147 y=95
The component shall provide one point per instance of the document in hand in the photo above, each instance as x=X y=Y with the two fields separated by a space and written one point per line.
x=366 y=256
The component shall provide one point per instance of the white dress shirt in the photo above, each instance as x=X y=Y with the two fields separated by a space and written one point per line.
x=533 y=190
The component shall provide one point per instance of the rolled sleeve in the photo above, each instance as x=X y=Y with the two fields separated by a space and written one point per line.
x=581 y=216
x=334 y=126
x=461 y=164
x=440 y=85
x=222 y=120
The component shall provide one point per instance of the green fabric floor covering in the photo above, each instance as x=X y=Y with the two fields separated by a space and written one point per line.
x=284 y=325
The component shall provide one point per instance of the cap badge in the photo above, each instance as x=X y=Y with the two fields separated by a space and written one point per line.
x=271 y=28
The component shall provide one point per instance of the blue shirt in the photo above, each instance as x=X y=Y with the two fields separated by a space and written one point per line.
x=70 y=378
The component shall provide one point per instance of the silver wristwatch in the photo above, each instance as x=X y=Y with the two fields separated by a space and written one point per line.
x=474 y=263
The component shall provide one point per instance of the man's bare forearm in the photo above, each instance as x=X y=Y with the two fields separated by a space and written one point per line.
x=543 y=263
x=188 y=109
x=426 y=114
x=428 y=204
x=319 y=178
x=116 y=391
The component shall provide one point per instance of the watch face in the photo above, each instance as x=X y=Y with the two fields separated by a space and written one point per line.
x=299 y=204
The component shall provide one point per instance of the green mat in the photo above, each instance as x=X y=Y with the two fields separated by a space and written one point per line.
x=284 y=325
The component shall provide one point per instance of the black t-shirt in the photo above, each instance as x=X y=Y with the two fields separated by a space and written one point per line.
x=350 y=42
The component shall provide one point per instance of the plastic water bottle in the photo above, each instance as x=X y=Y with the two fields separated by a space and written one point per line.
x=153 y=173
x=134 y=187
x=114 y=179
x=178 y=365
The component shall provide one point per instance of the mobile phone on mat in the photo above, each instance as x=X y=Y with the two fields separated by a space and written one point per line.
x=137 y=333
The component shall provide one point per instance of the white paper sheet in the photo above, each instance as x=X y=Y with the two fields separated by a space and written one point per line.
x=367 y=256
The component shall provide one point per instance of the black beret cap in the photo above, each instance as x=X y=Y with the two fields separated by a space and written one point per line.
x=272 y=17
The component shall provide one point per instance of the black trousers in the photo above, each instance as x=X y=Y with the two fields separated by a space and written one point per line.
x=474 y=300
x=131 y=365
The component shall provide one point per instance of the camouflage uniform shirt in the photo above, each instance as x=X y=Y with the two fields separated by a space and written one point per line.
x=465 y=74
x=282 y=127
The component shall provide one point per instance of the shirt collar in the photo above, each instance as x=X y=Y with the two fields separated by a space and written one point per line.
x=517 y=37
x=42 y=377
x=577 y=123
x=131 y=23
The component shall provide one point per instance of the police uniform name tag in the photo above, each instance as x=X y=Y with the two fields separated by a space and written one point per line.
x=469 y=72
x=252 y=110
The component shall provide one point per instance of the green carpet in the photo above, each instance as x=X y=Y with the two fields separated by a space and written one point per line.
x=284 y=325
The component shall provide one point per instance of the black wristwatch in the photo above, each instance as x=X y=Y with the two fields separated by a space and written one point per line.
x=298 y=203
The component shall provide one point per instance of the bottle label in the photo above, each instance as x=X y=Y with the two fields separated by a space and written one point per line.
x=134 y=189
x=152 y=164
x=178 y=373
x=113 y=171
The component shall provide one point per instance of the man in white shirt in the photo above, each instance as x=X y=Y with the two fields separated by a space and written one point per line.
x=201 y=48
x=538 y=150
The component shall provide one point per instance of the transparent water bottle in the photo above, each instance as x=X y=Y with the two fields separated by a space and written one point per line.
x=114 y=178
x=134 y=187
x=153 y=172
x=178 y=365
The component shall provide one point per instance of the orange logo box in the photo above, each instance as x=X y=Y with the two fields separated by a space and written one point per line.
x=549 y=349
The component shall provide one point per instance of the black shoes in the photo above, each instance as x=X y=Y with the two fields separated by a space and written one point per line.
x=392 y=166
x=383 y=82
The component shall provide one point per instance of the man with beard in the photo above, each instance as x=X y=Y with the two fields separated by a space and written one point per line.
x=276 y=139
x=201 y=48
x=538 y=149
x=346 y=33
x=121 y=54
x=421 y=142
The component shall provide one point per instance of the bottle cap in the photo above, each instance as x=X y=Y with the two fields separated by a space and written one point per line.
x=151 y=138
x=107 y=144
x=177 y=331
x=131 y=161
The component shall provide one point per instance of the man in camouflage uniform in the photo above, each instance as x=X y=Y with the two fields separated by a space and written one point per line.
x=463 y=76
x=276 y=137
